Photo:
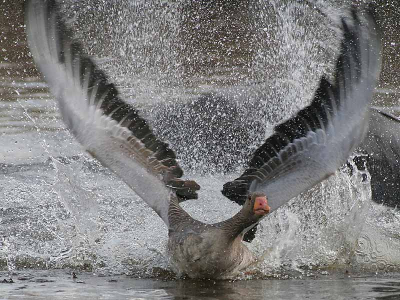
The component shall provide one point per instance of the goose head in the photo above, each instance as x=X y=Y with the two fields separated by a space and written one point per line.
x=253 y=210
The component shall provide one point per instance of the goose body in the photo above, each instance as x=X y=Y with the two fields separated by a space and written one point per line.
x=213 y=250
x=205 y=251
x=303 y=151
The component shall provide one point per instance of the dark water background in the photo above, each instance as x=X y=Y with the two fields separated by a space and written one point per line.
x=59 y=209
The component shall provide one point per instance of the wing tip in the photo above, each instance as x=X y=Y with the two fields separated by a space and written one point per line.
x=184 y=189
x=236 y=190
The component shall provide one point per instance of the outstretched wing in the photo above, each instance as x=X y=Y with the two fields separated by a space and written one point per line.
x=313 y=144
x=382 y=157
x=110 y=129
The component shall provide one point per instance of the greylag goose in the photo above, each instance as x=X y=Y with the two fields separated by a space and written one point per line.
x=379 y=153
x=303 y=151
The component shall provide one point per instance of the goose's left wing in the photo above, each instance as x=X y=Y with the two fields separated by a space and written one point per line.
x=110 y=129
x=313 y=144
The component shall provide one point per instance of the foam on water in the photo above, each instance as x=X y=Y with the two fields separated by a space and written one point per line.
x=79 y=215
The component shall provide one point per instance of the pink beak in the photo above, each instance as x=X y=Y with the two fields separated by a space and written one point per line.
x=261 y=206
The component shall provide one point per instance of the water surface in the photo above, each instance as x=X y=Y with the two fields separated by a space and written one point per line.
x=61 y=285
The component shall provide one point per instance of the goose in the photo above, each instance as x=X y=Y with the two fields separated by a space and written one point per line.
x=303 y=151
x=379 y=153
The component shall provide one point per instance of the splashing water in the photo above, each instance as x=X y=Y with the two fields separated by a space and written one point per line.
x=257 y=65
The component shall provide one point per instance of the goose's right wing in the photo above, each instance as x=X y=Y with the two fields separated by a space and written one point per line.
x=313 y=144
x=109 y=128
